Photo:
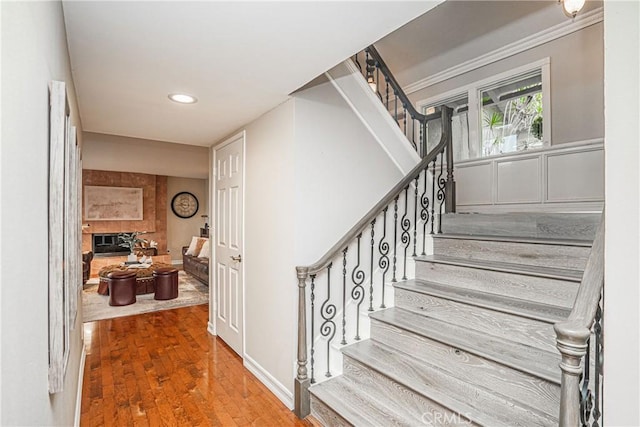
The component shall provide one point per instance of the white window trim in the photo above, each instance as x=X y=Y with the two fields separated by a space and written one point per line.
x=472 y=91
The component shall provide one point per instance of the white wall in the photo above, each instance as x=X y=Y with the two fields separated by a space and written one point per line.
x=180 y=230
x=341 y=171
x=269 y=269
x=124 y=154
x=312 y=170
x=622 y=179
x=34 y=51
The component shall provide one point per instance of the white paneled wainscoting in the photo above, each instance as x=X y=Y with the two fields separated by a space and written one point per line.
x=561 y=178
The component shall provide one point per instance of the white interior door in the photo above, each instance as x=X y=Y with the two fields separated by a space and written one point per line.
x=229 y=162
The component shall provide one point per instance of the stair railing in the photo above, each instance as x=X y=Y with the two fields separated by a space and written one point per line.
x=410 y=121
x=371 y=254
x=578 y=339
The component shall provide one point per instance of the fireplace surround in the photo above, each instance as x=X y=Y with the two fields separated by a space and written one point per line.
x=106 y=244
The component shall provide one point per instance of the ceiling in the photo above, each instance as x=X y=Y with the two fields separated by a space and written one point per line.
x=240 y=59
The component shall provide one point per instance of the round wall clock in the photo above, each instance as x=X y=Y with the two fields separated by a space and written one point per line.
x=184 y=204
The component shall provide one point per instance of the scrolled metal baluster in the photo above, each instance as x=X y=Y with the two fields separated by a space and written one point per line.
x=433 y=194
x=357 y=292
x=395 y=236
x=442 y=182
x=383 y=247
x=313 y=315
x=387 y=91
x=344 y=296
x=405 y=237
x=404 y=120
x=373 y=242
x=586 y=398
x=424 y=212
x=415 y=216
x=357 y=62
x=599 y=354
x=328 y=326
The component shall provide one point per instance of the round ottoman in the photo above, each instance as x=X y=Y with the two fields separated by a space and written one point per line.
x=166 y=283
x=122 y=287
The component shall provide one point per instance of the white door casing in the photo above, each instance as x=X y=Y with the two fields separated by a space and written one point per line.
x=228 y=235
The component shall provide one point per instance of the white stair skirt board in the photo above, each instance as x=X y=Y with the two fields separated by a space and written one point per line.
x=470 y=340
x=275 y=386
x=351 y=85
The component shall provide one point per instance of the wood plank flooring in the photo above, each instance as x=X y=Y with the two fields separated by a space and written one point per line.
x=164 y=369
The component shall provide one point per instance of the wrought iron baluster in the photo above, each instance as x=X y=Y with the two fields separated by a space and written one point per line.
x=415 y=216
x=404 y=120
x=383 y=247
x=441 y=193
x=378 y=82
x=395 y=236
x=424 y=211
x=373 y=224
x=344 y=296
x=328 y=326
x=586 y=398
x=357 y=292
x=387 y=92
x=599 y=354
x=313 y=315
x=405 y=237
x=357 y=62
x=433 y=193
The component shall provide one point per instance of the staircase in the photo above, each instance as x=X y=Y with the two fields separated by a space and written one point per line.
x=470 y=340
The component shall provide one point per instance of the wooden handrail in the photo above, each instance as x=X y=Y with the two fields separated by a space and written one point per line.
x=388 y=198
x=572 y=335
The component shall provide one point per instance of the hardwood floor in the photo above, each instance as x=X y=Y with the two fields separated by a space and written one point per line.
x=164 y=368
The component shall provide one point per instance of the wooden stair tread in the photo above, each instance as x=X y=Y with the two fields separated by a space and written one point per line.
x=505 y=304
x=534 y=361
x=533 y=240
x=506 y=267
x=356 y=406
x=476 y=403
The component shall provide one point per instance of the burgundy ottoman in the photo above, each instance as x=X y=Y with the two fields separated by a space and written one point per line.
x=166 y=283
x=122 y=287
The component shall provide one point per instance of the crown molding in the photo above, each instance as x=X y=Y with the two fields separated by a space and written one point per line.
x=552 y=33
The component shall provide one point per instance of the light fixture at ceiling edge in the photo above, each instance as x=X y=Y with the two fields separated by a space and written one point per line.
x=183 y=98
x=572 y=7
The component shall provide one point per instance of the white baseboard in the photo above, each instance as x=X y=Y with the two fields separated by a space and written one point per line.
x=211 y=328
x=269 y=381
x=83 y=358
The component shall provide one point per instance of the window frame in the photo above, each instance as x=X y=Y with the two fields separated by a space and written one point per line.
x=473 y=93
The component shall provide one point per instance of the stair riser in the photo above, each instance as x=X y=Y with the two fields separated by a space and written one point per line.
x=402 y=399
x=556 y=292
x=549 y=226
x=556 y=256
x=419 y=405
x=325 y=415
x=526 y=331
x=510 y=383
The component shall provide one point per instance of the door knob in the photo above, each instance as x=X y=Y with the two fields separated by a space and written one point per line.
x=237 y=258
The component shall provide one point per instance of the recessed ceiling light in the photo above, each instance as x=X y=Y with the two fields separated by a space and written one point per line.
x=183 y=98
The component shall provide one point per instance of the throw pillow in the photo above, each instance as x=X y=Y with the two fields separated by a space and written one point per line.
x=205 y=251
x=192 y=246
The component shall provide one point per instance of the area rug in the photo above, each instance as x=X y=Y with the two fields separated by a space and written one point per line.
x=96 y=306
